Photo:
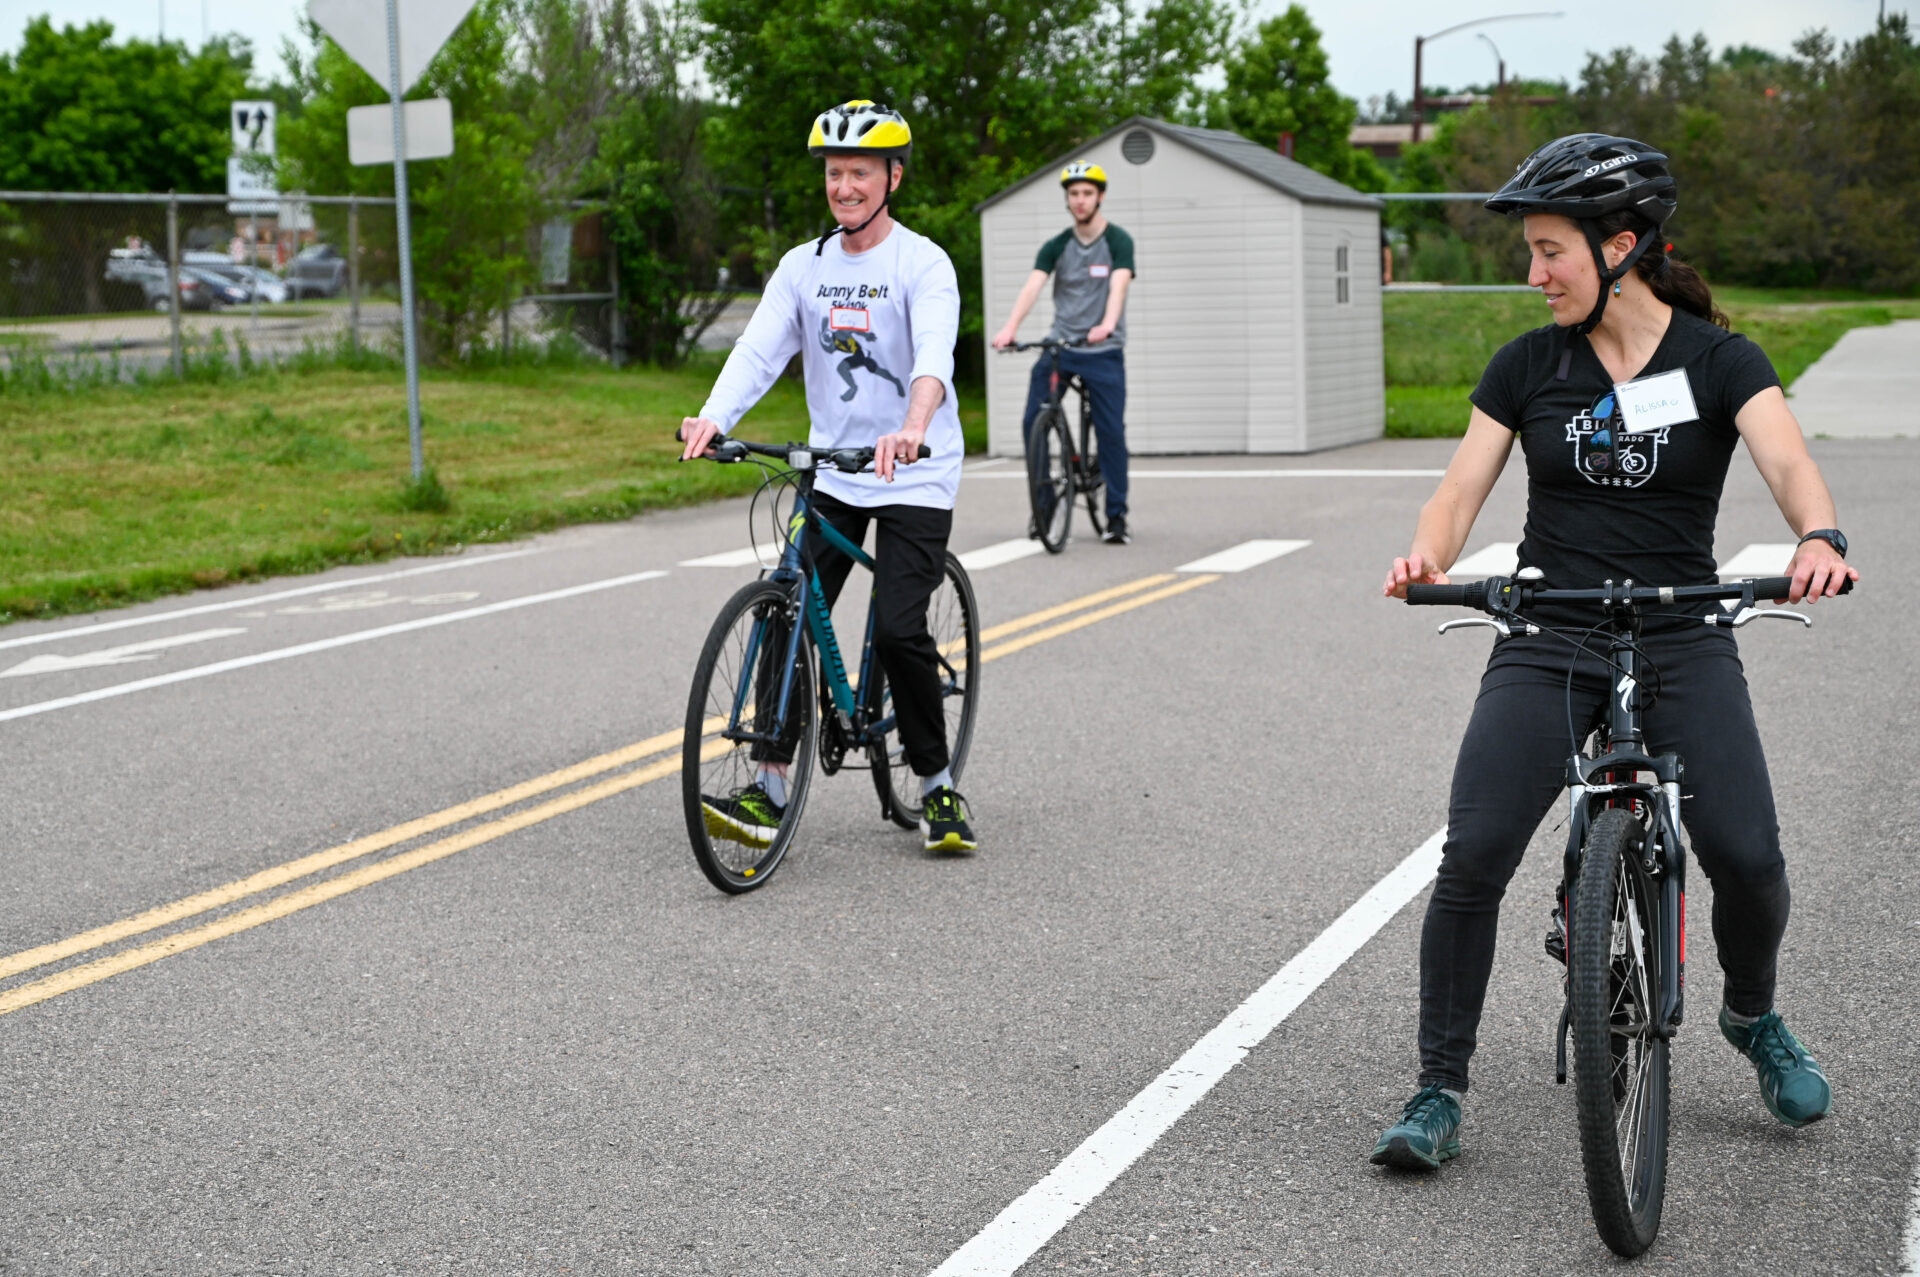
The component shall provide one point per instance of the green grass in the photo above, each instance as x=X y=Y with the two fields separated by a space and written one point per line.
x=112 y=494
x=1438 y=343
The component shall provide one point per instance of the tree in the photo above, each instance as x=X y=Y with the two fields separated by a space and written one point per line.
x=79 y=112
x=1277 y=84
x=991 y=88
x=477 y=211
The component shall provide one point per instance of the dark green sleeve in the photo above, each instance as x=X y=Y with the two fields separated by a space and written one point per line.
x=1120 y=244
x=1050 y=252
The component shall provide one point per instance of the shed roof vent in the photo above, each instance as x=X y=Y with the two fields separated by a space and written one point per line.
x=1137 y=146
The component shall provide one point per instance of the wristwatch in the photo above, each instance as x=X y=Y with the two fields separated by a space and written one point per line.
x=1831 y=536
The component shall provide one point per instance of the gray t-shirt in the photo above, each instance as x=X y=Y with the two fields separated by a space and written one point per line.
x=1081 y=275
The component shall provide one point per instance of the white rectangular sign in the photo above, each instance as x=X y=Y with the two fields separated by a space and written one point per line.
x=243 y=184
x=360 y=28
x=429 y=132
x=252 y=128
x=1652 y=402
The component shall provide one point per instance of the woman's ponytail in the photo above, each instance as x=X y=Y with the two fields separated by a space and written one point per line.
x=1679 y=285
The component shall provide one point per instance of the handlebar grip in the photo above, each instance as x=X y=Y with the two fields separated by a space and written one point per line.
x=1473 y=594
x=925 y=452
x=1778 y=587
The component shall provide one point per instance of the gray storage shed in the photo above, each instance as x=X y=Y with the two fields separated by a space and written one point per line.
x=1254 y=324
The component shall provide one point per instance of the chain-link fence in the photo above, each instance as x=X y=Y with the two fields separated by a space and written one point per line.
x=156 y=283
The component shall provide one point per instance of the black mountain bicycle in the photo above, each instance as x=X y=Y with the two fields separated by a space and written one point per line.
x=771 y=685
x=1622 y=899
x=1058 y=472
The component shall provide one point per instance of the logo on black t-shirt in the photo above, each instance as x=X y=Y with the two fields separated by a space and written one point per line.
x=1608 y=455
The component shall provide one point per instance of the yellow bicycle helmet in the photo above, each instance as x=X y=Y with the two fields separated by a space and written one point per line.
x=1084 y=171
x=860 y=127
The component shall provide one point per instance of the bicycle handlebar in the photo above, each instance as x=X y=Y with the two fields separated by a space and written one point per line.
x=1506 y=594
x=1045 y=343
x=846 y=460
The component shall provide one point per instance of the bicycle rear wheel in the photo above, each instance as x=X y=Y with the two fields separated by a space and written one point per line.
x=953 y=619
x=741 y=668
x=1620 y=1065
x=1091 y=481
x=1050 y=481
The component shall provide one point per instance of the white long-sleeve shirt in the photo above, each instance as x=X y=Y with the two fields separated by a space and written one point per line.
x=866 y=325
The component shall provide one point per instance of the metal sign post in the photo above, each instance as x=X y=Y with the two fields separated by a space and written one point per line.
x=356 y=27
x=406 y=237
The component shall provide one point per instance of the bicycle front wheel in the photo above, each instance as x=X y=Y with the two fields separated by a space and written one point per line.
x=735 y=732
x=953 y=619
x=1050 y=478
x=1620 y=1064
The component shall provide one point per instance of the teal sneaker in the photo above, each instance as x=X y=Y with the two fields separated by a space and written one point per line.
x=1427 y=1134
x=747 y=816
x=1791 y=1081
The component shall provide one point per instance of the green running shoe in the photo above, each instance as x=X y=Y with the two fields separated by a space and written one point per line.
x=943 y=820
x=1427 y=1134
x=745 y=816
x=1792 y=1083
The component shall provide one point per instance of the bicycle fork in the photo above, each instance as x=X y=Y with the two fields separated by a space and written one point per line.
x=1613 y=780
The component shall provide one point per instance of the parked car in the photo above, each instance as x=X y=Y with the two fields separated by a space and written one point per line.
x=319 y=270
x=267 y=286
x=224 y=291
x=142 y=269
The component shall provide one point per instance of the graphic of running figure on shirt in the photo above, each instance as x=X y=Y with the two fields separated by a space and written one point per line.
x=847 y=342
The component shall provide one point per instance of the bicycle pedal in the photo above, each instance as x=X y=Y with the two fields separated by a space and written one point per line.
x=1556 y=943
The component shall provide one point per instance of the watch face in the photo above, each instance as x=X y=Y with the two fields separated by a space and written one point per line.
x=1832 y=536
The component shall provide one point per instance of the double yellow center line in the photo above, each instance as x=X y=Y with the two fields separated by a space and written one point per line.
x=1033 y=628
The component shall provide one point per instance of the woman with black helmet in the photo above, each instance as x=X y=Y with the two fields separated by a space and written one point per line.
x=1612 y=498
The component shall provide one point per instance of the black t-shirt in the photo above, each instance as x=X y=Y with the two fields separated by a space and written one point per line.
x=1650 y=519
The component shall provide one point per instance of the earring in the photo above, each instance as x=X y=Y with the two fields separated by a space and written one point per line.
x=1616 y=288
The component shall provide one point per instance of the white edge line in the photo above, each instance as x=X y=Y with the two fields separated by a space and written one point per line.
x=319 y=645
x=1248 y=554
x=254 y=599
x=1019 y=1231
x=1910 y=1259
x=1256 y=474
x=1000 y=552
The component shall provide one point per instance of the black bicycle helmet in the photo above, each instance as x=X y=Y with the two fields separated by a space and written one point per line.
x=1586 y=176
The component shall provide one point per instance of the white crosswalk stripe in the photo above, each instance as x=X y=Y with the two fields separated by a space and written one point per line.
x=1248 y=554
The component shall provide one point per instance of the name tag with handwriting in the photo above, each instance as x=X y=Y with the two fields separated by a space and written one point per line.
x=1651 y=402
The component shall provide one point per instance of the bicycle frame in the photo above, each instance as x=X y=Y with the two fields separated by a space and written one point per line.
x=795 y=568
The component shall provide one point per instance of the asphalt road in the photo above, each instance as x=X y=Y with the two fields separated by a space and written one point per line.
x=542 y=1043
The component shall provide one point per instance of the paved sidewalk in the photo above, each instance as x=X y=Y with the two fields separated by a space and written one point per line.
x=1866 y=387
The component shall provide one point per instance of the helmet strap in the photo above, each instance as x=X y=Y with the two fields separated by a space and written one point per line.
x=1610 y=277
x=886 y=197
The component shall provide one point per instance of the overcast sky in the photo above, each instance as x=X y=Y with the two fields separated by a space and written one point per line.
x=1370 y=43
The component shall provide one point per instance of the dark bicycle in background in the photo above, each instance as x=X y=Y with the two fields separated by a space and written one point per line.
x=1622 y=899
x=772 y=684
x=1060 y=469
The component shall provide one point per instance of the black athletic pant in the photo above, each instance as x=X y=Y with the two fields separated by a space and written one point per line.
x=910 y=560
x=1512 y=769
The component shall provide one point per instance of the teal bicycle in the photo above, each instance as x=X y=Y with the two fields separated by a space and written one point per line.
x=772 y=688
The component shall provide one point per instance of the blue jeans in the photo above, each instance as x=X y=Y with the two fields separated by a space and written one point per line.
x=1105 y=375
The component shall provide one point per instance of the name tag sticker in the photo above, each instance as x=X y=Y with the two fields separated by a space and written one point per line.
x=849 y=319
x=1652 y=402
x=1099 y=272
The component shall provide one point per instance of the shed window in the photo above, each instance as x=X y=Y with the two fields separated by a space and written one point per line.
x=1342 y=277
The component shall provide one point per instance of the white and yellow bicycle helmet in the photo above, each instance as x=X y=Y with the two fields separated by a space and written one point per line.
x=1084 y=171
x=860 y=127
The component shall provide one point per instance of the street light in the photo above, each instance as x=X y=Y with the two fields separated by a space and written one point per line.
x=1419 y=43
x=1500 y=82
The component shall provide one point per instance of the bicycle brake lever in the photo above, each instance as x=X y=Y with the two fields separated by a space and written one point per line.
x=1749 y=614
x=1499 y=624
